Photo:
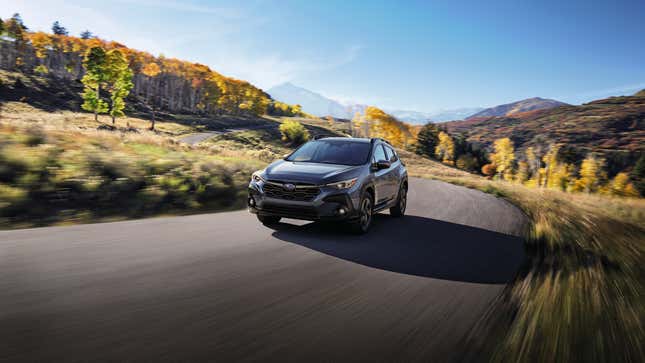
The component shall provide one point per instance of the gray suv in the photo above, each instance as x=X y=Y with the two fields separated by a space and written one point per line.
x=331 y=179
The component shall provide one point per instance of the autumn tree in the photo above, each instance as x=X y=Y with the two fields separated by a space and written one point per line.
x=445 y=149
x=591 y=174
x=467 y=162
x=551 y=160
x=151 y=70
x=93 y=81
x=384 y=125
x=503 y=157
x=427 y=140
x=293 y=132
x=118 y=77
x=532 y=161
x=489 y=170
x=522 y=174
x=58 y=29
x=621 y=185
x=40 y=42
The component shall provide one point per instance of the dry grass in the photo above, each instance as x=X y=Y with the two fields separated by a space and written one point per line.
x=581 y=297
x=24 y=114
x=58 y=168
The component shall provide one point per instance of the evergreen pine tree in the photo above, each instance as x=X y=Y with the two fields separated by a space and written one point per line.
x=59 y=29
x=427 y=140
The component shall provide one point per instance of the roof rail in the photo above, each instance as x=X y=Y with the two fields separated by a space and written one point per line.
x=380 y=139
x=318 y=137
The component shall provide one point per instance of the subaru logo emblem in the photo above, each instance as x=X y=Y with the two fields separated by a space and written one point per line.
x=289 y=187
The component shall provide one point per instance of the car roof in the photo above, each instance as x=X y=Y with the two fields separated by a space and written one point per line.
x=347 y=139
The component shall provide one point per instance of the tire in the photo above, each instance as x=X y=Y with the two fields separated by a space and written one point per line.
x=365 y=214
x=268 y=220
x=401 y=202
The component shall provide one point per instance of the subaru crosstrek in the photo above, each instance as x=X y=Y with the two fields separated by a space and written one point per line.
x=331 y=179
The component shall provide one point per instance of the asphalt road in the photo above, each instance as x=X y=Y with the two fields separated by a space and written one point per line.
x=222 y=287
x=196 y=138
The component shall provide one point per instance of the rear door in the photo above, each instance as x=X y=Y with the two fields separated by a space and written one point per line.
x=394 y=174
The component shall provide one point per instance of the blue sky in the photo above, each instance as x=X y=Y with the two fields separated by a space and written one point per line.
x=418 y=55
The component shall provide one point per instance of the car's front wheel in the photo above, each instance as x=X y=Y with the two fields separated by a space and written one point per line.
x=401 y=203
x=268 y=220
x=365 y=212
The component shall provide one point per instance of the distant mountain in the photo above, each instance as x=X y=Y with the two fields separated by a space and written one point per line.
x=529 y=104
x=456 y=114
x=319 y=105
x=413 y=117
x=613 y=127
x=311 y=102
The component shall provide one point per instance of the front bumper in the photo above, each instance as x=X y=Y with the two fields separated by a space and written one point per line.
x=328 y=205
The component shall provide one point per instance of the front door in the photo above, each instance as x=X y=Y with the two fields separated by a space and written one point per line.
x=382 y=178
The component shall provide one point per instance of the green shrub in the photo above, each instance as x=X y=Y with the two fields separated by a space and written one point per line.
x=293 y=132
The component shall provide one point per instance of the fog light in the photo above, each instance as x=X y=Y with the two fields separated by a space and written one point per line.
x=342 y=211
x=252 y=202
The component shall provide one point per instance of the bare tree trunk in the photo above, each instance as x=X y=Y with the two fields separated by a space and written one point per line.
x=152 y=126
x=98 y=97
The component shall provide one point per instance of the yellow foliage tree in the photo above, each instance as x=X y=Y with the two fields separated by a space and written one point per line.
x=503 y=157
x=550 y=160
x=621 y=186
x=382 y=124
x=41 y=43
x=151 y=69
x=445 y=150
x=591 y=174
x=522 y=174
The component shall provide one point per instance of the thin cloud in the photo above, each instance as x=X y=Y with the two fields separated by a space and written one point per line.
x=272 y=69
x=614 y=91
x=231 y=13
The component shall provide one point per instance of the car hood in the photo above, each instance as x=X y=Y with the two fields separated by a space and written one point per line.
x=314 y=173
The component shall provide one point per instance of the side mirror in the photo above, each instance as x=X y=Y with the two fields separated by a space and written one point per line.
x=382 y=164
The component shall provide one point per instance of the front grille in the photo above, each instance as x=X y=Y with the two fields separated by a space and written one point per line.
x=302 y=192
x=290 y=210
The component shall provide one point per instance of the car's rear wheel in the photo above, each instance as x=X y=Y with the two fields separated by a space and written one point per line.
x=401 y=203
x=365 y=213
x=268 y=220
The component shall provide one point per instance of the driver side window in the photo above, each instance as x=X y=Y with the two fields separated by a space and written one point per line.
x=379 y=154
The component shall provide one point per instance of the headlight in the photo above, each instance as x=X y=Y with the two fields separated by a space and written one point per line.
x=257 y=176
x=345 y=184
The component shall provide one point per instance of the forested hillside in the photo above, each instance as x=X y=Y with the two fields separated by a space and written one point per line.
x=158 y=82
x=612 y=128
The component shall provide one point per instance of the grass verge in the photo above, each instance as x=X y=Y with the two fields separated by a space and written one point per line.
x=581 y=296
x=59 y=168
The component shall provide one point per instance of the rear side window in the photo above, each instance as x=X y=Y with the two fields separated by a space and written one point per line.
x=391 y=154
x=379 y=153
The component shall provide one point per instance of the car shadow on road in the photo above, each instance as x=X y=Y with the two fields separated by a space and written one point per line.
x=417 y=246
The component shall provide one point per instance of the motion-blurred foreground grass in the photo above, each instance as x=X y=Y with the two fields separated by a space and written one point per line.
x=581 y=296
x=58 y=168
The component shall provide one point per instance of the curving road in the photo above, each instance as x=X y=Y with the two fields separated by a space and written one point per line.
x=221 y=287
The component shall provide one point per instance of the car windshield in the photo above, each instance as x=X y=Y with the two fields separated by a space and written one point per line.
x=332 y=152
